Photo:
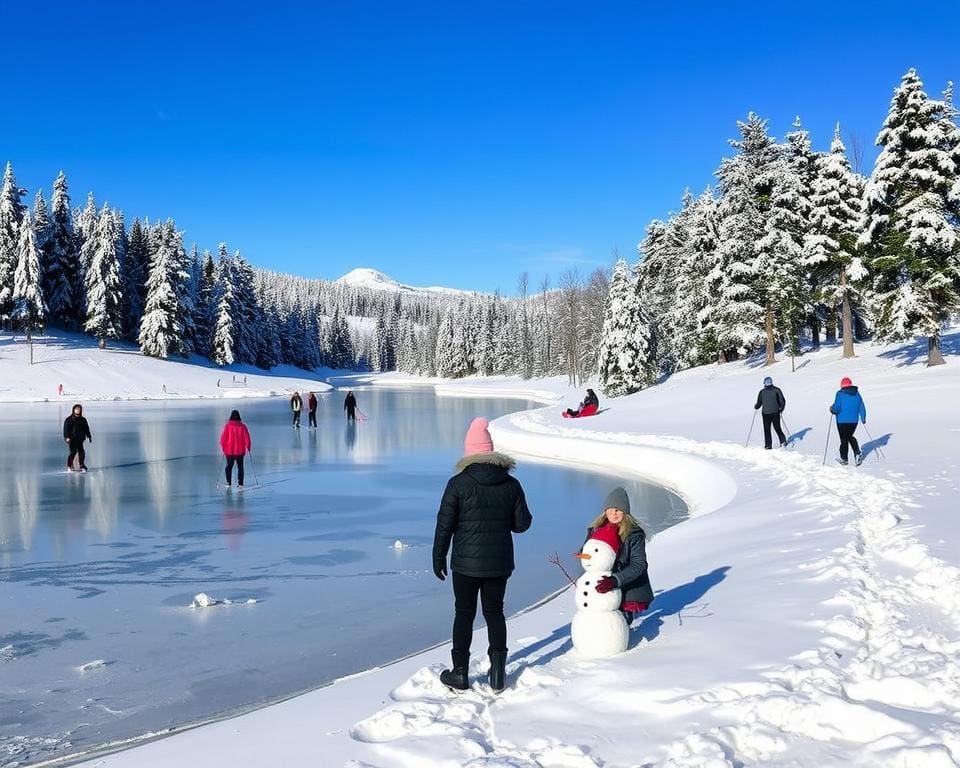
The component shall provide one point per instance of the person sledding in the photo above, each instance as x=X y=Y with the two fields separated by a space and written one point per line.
x=771 y=403
x=589 y=406
x=849 y=408
x=630 y=572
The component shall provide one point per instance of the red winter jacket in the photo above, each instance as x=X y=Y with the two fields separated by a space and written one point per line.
x=235 y=439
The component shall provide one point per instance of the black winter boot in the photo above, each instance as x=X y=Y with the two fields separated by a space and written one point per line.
x=457 y=678
x=498 y=670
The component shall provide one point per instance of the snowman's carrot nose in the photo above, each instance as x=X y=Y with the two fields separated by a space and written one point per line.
x=582 y=556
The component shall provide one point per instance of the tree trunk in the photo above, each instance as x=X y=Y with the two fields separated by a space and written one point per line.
x=815 y=331
x=831 y=330
x=771 y=351
x=30 y=344
x=847 y=319
x=934 y=355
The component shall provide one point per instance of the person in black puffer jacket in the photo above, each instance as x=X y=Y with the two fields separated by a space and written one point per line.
x=482 y=507
x=75 y=431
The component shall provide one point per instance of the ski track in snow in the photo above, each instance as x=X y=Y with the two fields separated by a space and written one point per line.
x=858 y=698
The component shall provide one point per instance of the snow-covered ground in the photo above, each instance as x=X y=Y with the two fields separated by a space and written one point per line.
x=120 y=372
x=806 y=615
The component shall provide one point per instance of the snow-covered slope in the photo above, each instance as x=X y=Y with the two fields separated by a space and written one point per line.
x=120 y=372
x=371 y=278
x=808 y=616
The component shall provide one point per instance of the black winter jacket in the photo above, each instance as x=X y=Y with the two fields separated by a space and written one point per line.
x=630 y=568
x=771 y=399
x=482 y=507
x=350 y=403
x=75 y=428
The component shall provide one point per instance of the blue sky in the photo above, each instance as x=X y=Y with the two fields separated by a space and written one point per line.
x=444 y=143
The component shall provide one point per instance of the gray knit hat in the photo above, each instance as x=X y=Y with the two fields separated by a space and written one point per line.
x=617 y=499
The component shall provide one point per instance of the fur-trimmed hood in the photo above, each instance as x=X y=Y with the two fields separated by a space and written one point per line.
x=495 y=458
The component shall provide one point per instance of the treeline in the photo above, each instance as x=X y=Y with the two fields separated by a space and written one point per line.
x=795 y=245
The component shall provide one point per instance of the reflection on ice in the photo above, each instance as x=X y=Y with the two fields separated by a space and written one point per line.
x=103 y=566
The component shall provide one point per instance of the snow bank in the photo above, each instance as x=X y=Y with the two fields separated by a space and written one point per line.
x=120 y=372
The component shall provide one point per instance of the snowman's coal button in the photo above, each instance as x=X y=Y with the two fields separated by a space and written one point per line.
x=584 y=594
x=584 y=605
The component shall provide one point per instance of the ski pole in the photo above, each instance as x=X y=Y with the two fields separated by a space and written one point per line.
x=363 y=416
x=877 y=446
x=752 y=422
x=829 y=430
x=786 y=427
x=252 y=470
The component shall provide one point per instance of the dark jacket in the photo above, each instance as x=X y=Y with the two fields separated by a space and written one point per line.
x=482 y=507
x=590 y=399
x=350 y=403
x=630 y=568
x=848 y=406
x=296 y=403
x=771 y=399
x=312 y=402
x=75 y=428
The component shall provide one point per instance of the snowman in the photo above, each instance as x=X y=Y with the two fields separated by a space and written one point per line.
x=598 y=628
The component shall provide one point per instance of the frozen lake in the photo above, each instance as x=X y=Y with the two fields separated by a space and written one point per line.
x=98 y=641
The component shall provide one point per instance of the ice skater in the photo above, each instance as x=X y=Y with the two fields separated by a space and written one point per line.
x=771 y=402
x=350 y=406
x=235 y=443
x=482 y=506
x=848 y=407
x=312 y=410
x=75 y=431
x=296 y=405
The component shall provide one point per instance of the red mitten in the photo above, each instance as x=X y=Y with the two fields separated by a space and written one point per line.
x=606 y=584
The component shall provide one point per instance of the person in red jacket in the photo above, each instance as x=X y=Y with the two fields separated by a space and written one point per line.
x=235 y=443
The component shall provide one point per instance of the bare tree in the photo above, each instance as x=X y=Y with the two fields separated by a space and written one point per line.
x=571 y=293
x=855 y=152
x=526 y=340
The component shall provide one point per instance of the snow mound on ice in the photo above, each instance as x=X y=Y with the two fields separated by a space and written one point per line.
x=91 y=666
x=203 y=600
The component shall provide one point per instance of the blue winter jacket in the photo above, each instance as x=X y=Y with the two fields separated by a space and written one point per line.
x=849 y=407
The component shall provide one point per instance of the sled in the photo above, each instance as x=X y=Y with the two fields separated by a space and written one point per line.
x=589 y=410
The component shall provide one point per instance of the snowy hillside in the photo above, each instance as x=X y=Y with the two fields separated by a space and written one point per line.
x=121 y=372
x=371 y=278
x=805 y=616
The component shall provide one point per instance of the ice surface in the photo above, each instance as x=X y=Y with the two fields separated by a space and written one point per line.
x=298 y=582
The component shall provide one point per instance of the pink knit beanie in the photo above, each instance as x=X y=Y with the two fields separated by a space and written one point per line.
x=478 y=438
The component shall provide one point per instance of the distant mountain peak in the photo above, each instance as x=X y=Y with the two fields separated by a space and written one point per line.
x=364 y=277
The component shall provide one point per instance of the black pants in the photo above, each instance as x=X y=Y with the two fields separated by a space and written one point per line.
x=76 y=450
x=313 y=418
x=229 y=470
x=351 y=414
x=768 y=420
x=296 y=418
x=847 y=439
x=491 y=591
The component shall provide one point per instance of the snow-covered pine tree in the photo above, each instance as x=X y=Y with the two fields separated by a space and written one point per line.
x=64 y=285
x=831 y=245
x=104 y=290
x=246 y=311
x=162 y=329
x=222 y=342
x=12 y=213
x=780 y=259
x=136 y=267
x=203 y=311
x=625 y=359
x=745 y=184
x=29 y=308
x=695 y=308
x=86 y=223
x=43 y=233
x=911 y=236
x=380 y=353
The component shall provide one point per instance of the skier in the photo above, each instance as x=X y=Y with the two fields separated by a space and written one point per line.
x=296 y=404
x=848 y=407
x=350 y=406
x=772 y=402
x=235 y=443
x=482 y=506
x=75 y=431
x=312 y=409
x=630 y=573
x=588 y=406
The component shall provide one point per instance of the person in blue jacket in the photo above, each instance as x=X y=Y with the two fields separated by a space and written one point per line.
x=849 y=408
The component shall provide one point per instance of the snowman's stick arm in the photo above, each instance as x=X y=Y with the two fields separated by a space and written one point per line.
x=555 y=559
